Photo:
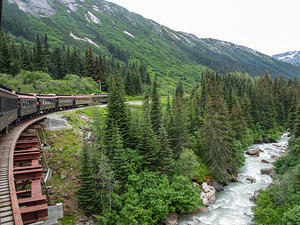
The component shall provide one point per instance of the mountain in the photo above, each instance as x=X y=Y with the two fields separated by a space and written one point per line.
x=127 y=36
x=289 y=57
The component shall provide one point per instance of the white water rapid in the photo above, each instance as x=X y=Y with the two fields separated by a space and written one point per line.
x=233 y=206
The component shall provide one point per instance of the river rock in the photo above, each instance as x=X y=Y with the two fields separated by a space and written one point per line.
x=202 y=210
x=234 y=177
x=219 y=187
x=277 y=146
x=265 y=161
x=172 y=219
x=208 y=194
x=254 y=152
x=274 y=157
x=197 y=185
x=255 y=196
x=266 y=171
x=251 y=179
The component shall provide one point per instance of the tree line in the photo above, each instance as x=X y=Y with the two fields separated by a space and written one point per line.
x=141 y=166
x=60 y=61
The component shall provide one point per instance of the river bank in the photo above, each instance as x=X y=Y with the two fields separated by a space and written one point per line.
x=233 y=205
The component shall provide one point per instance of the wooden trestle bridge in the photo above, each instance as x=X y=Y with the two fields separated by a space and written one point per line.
x=22 y=190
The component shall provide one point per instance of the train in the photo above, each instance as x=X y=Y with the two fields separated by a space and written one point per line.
x=17 y=106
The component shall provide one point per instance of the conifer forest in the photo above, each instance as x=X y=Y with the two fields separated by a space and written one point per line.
x=186 y=121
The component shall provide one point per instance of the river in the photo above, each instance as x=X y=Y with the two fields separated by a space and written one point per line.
x=233 y=206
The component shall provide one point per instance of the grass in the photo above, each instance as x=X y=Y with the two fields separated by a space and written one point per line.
x=63 y=156
x=68 y=220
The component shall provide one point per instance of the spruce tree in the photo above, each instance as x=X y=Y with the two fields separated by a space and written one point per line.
x=165 y=153
x=297 y=123
x=89 y=68
x=39 y=57
x=246 y=110
x=117 y=110
x=119 y=162
x=86 y=191
x=238 y=121
x=155 y=113
x=148 y=146
x=178 y=125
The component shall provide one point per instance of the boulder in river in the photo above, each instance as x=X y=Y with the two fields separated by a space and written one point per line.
x=202 y=210
x=234 y=177
x=208 y=194
x=255 y=196
x=266 y=171
x=219 y=187
x=251 y=179
x=172 y=219
x=254 y=152
x=265 y=161
x=274 y=156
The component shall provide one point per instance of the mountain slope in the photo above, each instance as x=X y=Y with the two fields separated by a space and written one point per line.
x=126 y=35
x=289 y=57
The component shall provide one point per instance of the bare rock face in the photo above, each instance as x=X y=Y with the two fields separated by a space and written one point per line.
x=41 y=8
x=208 y=194
x=251 y=179
x=172 y=219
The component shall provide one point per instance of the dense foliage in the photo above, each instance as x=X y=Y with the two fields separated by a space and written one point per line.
x=280 y=203
x=60 y=62
x=152 y=154
x=172 y=55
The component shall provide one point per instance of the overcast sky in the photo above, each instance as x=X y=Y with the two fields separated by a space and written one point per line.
x=268 y=26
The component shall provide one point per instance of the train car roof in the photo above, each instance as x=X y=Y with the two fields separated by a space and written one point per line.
x=83 y=96
x=26 y=96
x=100 y=95
x=65 y=96
x=8 y=92
x=51 y=96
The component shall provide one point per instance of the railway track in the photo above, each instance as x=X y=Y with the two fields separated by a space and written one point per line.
x=10 y=212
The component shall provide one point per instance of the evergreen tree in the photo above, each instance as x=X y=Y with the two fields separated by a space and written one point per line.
x=292 y=113
x=216 y=148
x=297 y=123
x=86 y=190
x=165 y=153
x=116 y=110
x=155 y=113
x=118 y=157
x=148 y=146
x=239 y=123
x=177 y=125
x=246 y=110
x=39 y=57
x=89 y=63
x=6 y=57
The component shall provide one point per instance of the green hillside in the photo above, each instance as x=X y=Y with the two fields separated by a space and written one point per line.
x=127 y=36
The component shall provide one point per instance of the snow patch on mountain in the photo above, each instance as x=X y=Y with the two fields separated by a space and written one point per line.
x=94 y=18
x=90 y=17
x=83 y=39
x=96 y=8
x=289 y=57
x=129 y=34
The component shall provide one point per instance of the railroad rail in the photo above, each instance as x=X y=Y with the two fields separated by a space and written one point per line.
x=10 y=174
